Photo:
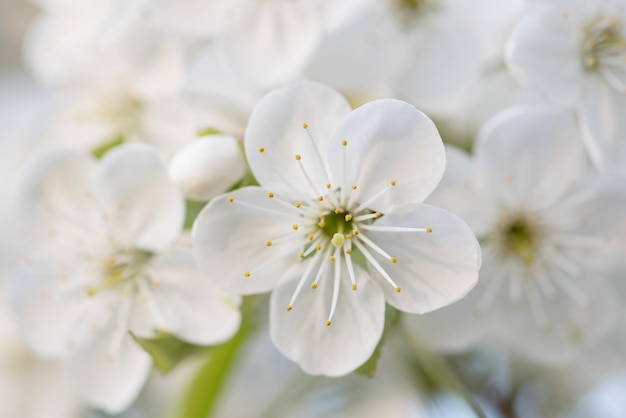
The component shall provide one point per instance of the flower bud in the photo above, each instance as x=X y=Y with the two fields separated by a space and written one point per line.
x=208 y=166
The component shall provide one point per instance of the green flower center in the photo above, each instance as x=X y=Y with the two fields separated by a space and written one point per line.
x=518 y=236
x=119 y=268
x=337 y=222
x=604 y=42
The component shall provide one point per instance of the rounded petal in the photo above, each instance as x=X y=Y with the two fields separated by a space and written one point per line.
x=53 y=310
x=55 y=197
x=188 y=305
x=387 y=140
x=276 y=133
x=272 y=41
x=303 y=336
x=529 y=156
x=604 y=127
x=544 y=51
x=432 y=269
x=207 y=167
x=458 y=193
x=110 y=372
x=230 y=236
x=142 y=207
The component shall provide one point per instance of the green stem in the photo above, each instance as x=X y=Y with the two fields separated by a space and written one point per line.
x=440 y=375
x=199 y=399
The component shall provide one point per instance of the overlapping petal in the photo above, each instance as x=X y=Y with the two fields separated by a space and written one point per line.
x=387 y=140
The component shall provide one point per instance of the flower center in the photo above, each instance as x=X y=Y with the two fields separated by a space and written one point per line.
x=604 y=46
x=518 y=235
x=121 y=267
x=409 y=12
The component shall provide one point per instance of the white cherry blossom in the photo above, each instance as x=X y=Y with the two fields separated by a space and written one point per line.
x=574 y=52
x=337 y=227
x=101 y=263
x=549 y=240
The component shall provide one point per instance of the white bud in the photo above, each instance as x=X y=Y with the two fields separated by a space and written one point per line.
x=208 y=166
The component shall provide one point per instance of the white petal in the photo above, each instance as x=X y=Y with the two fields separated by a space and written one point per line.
x=529 y=156
x=387 y=140
x=53 y=310
x=230 y=239
x=207 y=167
x=601 y=118
x=276 y=127
x=179 y=300
x=272 y=41
x=303 y=336
x=432 y=269
x=110 y=372
x=144 y=209
x=458 y=193
x=194 y=18
x=572 y=327
x=544 y=51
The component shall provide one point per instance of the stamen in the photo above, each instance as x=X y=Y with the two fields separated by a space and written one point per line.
x=261 y=150
x=374 y=247
x=321 y=270
x=270 y=195
x=374 y=198
x=537 y=309
x=348 y=257
x=303 y=279
x=570 y=289
x=574 y=240
x=336 y=284
x=318 y=155
x=378 y=228
x=562 y=262
x=515 y=287
x=376 y=265
x=374 y=215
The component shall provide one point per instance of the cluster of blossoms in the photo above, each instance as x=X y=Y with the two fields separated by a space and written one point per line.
x=169 y=163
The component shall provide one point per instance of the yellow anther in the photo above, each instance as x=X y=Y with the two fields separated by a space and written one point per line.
x=321 y=215
x=398 y=289
x=344 y=142
x=270 y=194
x=591 y=62
x=289 y=307
x=348 y=250
x=320 y=198
x=321 y=224
x=298 y=204
x=392 y=182
x=564 y=15
x=298 y=157
x=91 y=292
x=300 y=255
x=393 y=260
x=261 y=149
x=268 y=243
x=246 y=274
x=313 y=285
x=429 y=230
x=337 y=211
x=231 y=199
x=328 y=322
x=294 y=227
x=304 y=125
x=353 y=287
x=310 y=237
x=354 y=187
x=331 y=258
x=318 y=247
x=338 y=240
x=378 y=215
x=328 y=185
x=348 y=218
x=355 y=232
x=348 y=236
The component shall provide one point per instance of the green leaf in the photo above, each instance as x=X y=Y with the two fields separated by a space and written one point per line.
x=99 y=151
x=167 y=351
x=368 y=369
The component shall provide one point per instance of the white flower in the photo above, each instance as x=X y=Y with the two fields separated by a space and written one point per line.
x=549 y=240
x=575 y=54
x=208 y=166
x=101 y=265
x=337 y=186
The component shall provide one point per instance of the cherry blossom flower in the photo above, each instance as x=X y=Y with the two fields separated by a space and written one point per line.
x=102 y=263
x=549 y=235
x=337 y=227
